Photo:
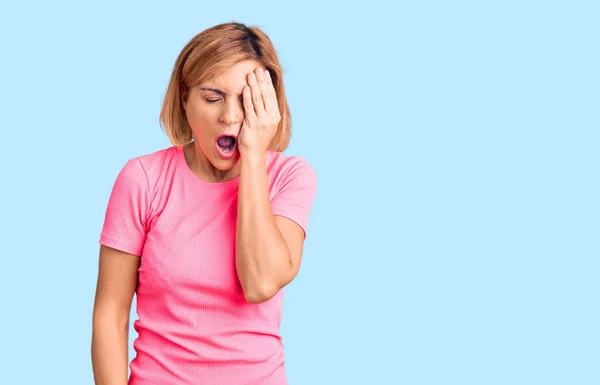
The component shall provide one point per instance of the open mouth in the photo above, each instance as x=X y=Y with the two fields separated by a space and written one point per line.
x=226 y=144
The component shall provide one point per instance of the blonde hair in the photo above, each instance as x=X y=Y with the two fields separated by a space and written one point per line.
x=203 y=58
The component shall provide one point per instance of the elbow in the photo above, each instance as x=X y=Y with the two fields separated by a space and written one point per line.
x=103 y=319
x=260 y=294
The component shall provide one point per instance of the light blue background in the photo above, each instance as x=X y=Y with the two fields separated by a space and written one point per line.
x=454 y=239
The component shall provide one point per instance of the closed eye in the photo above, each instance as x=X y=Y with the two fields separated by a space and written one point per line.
x=240 y=99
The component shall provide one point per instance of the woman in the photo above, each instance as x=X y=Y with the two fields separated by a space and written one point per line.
x=208 y=231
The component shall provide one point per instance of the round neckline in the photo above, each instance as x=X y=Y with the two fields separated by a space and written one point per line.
x=196 y=178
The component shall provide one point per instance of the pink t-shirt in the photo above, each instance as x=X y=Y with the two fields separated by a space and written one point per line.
x=194 y=326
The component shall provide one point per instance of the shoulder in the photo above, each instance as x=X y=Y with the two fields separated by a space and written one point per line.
x=142 y=172
x=285 y=170
x=151 y=165
x=283 y=165
x=157 y=160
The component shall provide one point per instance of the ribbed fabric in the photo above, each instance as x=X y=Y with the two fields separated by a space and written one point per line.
x=194 y=326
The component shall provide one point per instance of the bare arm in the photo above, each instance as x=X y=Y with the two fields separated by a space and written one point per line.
x=117 y=281
x=268 y=247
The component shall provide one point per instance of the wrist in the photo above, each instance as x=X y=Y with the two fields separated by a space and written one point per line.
x=253 y=158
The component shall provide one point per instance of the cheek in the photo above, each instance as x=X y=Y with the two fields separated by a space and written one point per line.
x=202 y=118
x=204 y=122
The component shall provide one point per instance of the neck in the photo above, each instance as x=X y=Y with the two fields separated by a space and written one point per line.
x=204 y=169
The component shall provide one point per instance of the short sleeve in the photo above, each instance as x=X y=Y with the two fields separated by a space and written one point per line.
x=295 y=198
x=126 y=214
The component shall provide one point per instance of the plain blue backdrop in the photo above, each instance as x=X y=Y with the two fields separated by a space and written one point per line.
x=455 y=235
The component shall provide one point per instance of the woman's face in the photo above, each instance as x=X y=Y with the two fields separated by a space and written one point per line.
x=215 y=109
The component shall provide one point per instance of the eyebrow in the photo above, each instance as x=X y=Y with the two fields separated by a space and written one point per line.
x=218 y=91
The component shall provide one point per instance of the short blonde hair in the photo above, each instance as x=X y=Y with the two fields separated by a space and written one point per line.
x=203 y=58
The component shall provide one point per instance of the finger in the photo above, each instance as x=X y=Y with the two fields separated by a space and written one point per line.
x=257 y=101
x=248 y=105
x=268 y=78
x=269 y=95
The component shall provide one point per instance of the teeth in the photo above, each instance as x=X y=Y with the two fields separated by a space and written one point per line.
x=227 y=149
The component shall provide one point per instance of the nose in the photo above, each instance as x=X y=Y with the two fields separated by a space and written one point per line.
x=231 y=114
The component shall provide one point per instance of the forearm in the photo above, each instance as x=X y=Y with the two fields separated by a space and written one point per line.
x=110 y=353
x=262 y=258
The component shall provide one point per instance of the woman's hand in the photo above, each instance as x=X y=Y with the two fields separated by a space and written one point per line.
x=261 y=114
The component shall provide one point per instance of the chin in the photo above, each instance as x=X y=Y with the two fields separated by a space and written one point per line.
x=224 y=164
